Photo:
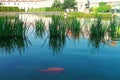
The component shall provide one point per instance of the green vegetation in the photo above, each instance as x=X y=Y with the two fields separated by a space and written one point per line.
x=57 y=4
x=114 y=29
x=75 y=28
x=12 y=34
x=11 y=28
x=106 y=34
x=57 y=34
x=60 y=28
x=97 y=32
x=72 y=14
x=39 y=28
x=117 y=36
x=69 y=4
x=10 y=9
x=103 y=7
x=102 y=3
x=79 y=14
x=45 y=9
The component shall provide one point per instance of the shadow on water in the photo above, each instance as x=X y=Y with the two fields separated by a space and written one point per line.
x=13 y=35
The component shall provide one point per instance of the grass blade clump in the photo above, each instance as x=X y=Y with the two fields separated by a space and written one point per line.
x=12 y=34
x=97 y=32
x=39 y=28
x=57 y=34
x=75 y=28
x=118 y=32
x=112 y=28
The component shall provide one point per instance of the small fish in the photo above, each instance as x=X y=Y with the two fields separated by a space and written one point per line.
x=52 y=69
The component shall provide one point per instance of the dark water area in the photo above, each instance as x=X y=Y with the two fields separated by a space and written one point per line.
x=76 y=55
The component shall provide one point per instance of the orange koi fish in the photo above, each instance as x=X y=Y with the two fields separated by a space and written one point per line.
x=52 y=69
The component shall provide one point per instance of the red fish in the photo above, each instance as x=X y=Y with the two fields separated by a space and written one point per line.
x=52 y=69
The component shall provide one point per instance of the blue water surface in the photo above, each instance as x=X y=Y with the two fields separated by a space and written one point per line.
x=79 y=60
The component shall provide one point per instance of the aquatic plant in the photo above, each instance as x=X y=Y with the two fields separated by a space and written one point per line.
x=118 y=31
x=75 y=28
x=57 y=34
x=12 y=34
x=12 y=27
x=97 y=32
x=115 y=33
x=8 y=45
x=39 y=28
x=54 y=26
x=112 y=28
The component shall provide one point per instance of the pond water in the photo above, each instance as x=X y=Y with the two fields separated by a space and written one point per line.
x=70 y=58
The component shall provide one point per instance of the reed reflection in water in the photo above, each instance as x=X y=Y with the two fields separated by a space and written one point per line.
x=57 y=34
x=40 y=28
x=104 y=34
x=61 y=28
x=13 y=32
x=13 y=35
x=97 y=32
x=75 y=28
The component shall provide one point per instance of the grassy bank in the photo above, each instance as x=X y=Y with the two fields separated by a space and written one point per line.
x=47 y=9
x=10 y=9
x=69 y=14
x=79 y=14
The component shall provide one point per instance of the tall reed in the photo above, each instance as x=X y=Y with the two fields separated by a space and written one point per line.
x=57 y=34
x=97 y=32
x=13 y=34
x=39 y=28
x=118 y=31
x=75 y=28
x=112 y=28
